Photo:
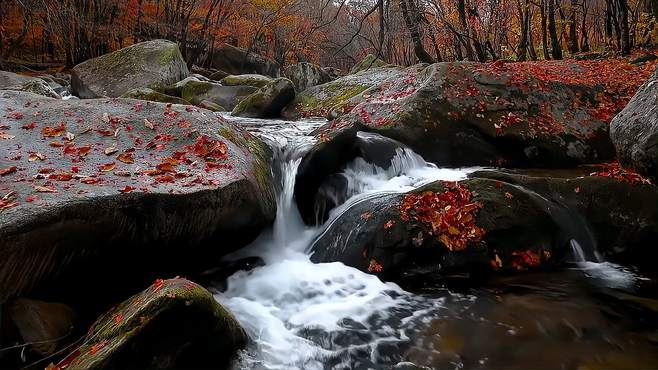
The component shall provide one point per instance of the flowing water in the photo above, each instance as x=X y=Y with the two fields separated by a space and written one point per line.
x=302 y=315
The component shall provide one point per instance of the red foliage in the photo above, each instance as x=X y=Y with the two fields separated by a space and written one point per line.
x=208 y=148
x=450 y=215
x=522 y=260
x=614 y=170
x=374 y=266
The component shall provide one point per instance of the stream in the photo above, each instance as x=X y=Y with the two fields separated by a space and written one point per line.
x=301 y=315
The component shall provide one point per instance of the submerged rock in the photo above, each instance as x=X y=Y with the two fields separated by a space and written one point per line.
x=224 y=96
x=246 y=80
x=145 y=93
x=268 y=101
x=493 y=222
x=238 y=61
x=305 y=75
x=634 y=131
x=172 y=324
x=92 y=187
x=153 y=64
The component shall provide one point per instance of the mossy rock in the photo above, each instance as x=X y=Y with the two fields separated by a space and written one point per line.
x=154 y=64
x=206 y=104
x=145 y=93
x=268 y=101
x=370 y=61
x=305 y=75
x=246 y=80
x=176 y=89
x=239 y=61
x=224 y=96
x=172 y=324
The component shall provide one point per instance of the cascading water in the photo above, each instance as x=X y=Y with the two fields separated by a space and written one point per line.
x=302 y=315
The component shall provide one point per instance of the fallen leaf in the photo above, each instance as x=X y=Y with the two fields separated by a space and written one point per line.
x=126 y=157
x=44 y=189
x=148 y=124
x=107 y=167
x=7 y=171
x=111 y=150
x=35 y=156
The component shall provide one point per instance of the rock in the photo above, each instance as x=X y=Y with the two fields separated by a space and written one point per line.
x=144 y=93
x=334 y=98
x=92 y=187
x=177 y=88
x=172 y=324
x=334 y=73
x=370 y=61
x=16 y=82
x=533 y=114
x=219 y=75
x=593 y=55
x=246 y=80
x=225 y=96
x=634 y=131
x=643 y=58
x=305 y=75
x=519 y=222
x=206 y=104
x=46 y=325
x=268 y=101
x=205 y=72
x=153 y=64
x=237 y=61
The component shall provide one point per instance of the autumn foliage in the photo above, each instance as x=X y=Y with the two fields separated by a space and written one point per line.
x=450 y=215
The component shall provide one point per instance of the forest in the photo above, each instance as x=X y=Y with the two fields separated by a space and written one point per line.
x=329 y=184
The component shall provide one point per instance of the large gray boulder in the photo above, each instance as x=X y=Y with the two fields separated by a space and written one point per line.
x=237 y=61
x=634 y=131
x=153 y=64
x=224 y=96
x=16 y=82
x=92 y=187
x=246 y=80
x=268 y=101
x=171 y=325
x=305 y=75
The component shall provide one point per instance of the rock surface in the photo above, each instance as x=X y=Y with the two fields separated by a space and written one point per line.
x=87 y=186
x=370 y=61
x=144 y=93
x=268 y=101
x=16 y=82
x=634 y=131
x=172 y=324
x=493 y=222
x=246 y=80
x=224 y=96
x=153 y=64
x=305 y=75
x=237 y=61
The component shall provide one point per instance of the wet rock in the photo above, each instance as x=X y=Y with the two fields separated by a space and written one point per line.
x=172 y=324
x=634 y=131
x=246 y=80
x=144 y=93
x=16 y=82
x=224 y=96
x=153 y=64
x=334 y=98
x=268 y=101
x=46 y=325
x=370 y=61
x=506 y=222
x=305 y=75
x=88 y=186
x=238 y=61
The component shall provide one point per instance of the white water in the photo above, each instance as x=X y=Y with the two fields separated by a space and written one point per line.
x=607 y=274
x=304 y=315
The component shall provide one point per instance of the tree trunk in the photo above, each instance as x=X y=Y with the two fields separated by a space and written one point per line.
x=556 y=48
x=625 y=38
x=544 y=35
x=466 y=39
x=573 y=33
x=412 y=22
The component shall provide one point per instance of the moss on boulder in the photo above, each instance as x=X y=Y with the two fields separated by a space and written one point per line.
x=268 y=101
x=224 y=96
x=145 y=93
x=254 y=80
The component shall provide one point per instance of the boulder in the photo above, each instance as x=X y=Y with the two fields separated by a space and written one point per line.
x=634 y=131
x=177 y=88
x=172 y=324
x=334 y=73
x=370 y=61
x=219 y=75
x=334 y=98
x=224 y=96
x=153 y=64
x=92 y=187
x=237 y=61
x=206 y=104
x=493 y=222
x=144 y=93
x=16 y=82
x=246 y=80
x=268 y=101
x=305 y=75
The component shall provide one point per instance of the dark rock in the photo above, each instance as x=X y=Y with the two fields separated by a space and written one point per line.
x=153 y=64
x=172 y=324
x=16 y=82
x=219 y=75
x=634 y=131
x=224 y=96
x=100 y=186
x=177 y=88
x=648 y=57
x=238 y=61
x=528 y=222
x=46 y=325
x=268 y=101
x=334 y=73
x=205 y=72
x=305 y=75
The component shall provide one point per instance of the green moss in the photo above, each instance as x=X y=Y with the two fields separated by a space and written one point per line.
x=246 y=80
x=152 y=95
x=193 y=89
